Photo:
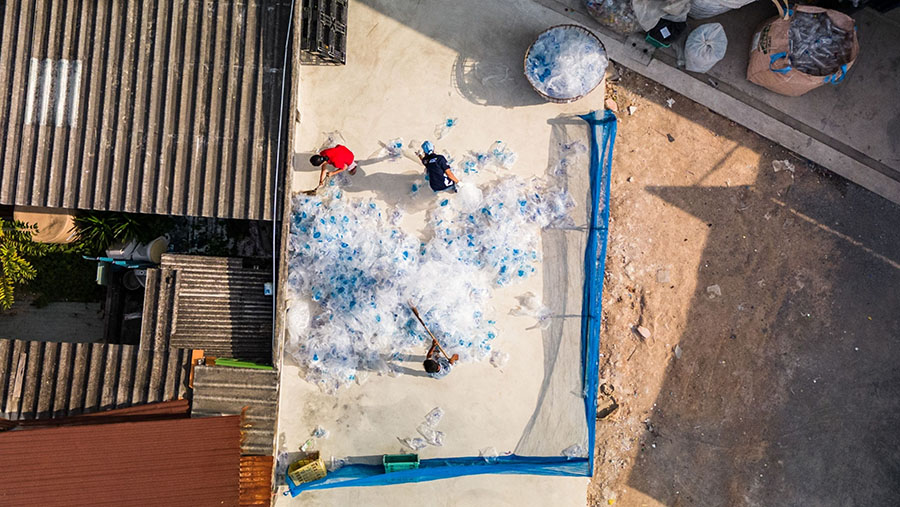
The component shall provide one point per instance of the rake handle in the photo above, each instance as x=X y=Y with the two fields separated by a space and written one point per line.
x=416 y=313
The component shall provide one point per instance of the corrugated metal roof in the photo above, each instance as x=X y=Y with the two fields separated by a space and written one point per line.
x=191 y=462
x=219 y=306
x=256 y=480
x=153 y=106
x=220 y=390
x=51 y=379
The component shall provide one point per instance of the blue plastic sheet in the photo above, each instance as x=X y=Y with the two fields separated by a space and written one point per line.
x=602 y=138
x=603 y=135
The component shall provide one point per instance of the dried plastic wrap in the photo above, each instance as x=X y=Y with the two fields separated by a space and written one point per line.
x=361 y=271
x=566 y=62
x=817 y=46
x=615 y=14
x=704 y=47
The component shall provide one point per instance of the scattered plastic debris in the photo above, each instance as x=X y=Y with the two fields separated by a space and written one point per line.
x=306 y=445
x=670 y=103
x=489 y=454
x=643 y=331
x=574 y=451
x=331 y=139
x=393 y=149
x=670 y=137
x=503 y=156
x=499 y=359
x=663 y=276
x=469 y=165
x=320 y=432
x=631 y=110
x=714 y=291
x=566 y=63
x=531 y=306
x=678 y=351
x=431 y=435
x=434 y=417
x=444 y=127
x=335 y=463
x=415 y=444
x=783 y=165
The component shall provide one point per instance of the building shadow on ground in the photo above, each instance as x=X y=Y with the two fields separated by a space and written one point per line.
x=786 y=391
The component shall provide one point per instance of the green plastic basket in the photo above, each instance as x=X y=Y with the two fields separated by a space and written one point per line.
x=398 y=462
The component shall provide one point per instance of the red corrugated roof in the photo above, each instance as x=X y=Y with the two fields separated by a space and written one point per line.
x=256 y=480
x=174 y=409
x=193 y=462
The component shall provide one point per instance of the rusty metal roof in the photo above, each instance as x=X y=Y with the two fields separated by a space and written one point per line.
x=173 y=409
x=159 y=106
x=256 y=480
x=174 y=462
x=220 y=390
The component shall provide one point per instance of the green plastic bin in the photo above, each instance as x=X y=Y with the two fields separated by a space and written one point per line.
x=398 y=462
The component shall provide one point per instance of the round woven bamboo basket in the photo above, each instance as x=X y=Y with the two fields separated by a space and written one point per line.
x=527 y=53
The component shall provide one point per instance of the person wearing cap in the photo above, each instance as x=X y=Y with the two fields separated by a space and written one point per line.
x=339 y=157
x=440 y=177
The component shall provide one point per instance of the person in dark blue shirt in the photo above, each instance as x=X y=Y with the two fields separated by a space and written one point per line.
x=440 y=177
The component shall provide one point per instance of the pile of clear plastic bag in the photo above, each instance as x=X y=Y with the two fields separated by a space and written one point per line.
x=565 y=63
x=361 y=273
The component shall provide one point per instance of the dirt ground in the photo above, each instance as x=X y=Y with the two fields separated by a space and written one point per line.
x=770 y=298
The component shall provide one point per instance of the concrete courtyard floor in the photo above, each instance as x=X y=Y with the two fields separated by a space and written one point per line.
x=408 y=70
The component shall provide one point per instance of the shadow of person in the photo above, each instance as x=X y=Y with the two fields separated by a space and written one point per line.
x=403 y=370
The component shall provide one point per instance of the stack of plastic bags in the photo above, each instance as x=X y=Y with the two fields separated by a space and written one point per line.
x=361 y=273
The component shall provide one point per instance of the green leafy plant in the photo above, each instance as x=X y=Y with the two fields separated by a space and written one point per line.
x=17 y=247
x=95 y=231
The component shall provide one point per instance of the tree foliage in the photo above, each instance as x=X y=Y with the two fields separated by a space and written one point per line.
x=95 y=231
x=17 y=247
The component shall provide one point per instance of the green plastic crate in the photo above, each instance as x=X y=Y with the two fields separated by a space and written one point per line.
x=398 y=462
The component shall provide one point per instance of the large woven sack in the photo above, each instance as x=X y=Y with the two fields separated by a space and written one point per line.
x=769 y=64
x=702 y=9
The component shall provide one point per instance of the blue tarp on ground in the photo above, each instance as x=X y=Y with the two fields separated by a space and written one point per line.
x=602 y=128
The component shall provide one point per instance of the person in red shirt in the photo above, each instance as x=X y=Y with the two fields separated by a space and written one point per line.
x=339 y=157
